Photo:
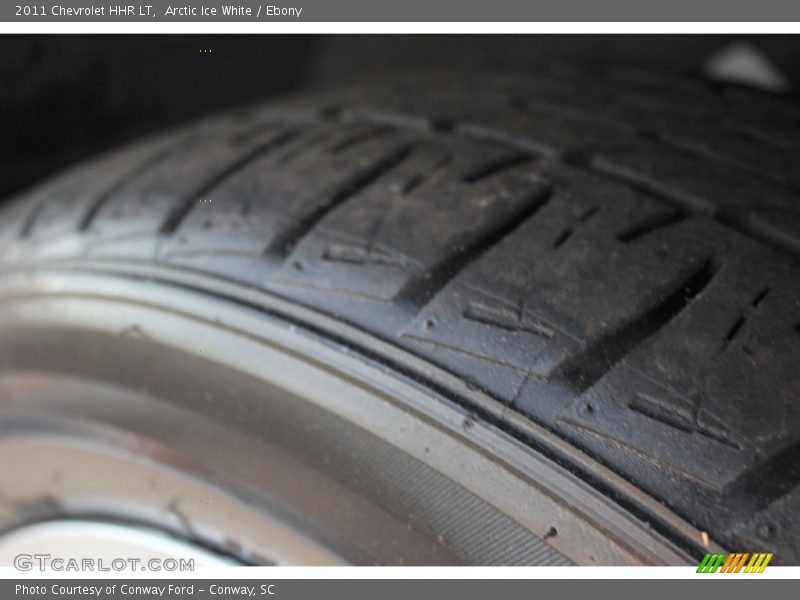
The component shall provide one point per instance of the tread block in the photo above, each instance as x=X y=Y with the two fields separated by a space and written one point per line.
x=704 y=187
x=67 y=203
x=143 y=204
x=396 y=244
x=273 y=201
x=59 y=204
x=771 y=529
x=529 y=304
x=691 y=398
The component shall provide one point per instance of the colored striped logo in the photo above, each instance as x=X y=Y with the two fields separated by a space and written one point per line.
x=739 y=562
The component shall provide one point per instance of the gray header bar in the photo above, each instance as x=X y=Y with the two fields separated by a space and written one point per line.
x=400 y=10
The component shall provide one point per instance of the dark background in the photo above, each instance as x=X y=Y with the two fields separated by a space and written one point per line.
x=66 y=97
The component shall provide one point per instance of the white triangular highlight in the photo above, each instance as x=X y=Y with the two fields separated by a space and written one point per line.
x=743 y=63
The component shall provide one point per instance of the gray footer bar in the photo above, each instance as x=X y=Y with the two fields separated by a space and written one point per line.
x=728 y=587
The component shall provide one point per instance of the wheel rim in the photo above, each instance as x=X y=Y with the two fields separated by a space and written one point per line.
x=551 y=516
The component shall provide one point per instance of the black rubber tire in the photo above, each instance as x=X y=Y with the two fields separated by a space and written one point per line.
x=613 y=256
